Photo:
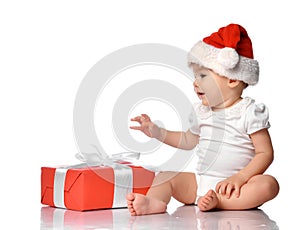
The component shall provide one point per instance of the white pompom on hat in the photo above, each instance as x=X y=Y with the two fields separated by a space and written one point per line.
x=229 y=53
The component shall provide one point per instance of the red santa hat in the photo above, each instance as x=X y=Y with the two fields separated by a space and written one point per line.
x=229 y=53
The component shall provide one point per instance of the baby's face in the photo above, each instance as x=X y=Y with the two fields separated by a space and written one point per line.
x=209 y=86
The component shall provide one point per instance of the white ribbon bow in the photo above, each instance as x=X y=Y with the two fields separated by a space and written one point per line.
x=122 y=181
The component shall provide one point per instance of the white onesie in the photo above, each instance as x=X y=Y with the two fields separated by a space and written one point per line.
x=224 y=145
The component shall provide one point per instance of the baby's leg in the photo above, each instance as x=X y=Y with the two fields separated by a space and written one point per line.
x=182 y=186
x=258 y=190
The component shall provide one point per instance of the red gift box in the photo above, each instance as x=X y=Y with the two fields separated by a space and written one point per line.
x=90 y=188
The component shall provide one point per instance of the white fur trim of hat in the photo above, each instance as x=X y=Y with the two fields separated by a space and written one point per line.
x=226 y=62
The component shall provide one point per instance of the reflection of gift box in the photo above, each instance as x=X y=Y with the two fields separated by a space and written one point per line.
x=87 y=188
x=57 y=218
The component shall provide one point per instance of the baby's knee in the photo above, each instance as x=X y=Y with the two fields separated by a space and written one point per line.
x=270 y=186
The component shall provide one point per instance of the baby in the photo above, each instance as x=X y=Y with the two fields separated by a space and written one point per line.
x=230 y=132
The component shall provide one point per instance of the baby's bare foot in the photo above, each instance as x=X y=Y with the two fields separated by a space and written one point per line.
x=209 y=201
x=139 y=204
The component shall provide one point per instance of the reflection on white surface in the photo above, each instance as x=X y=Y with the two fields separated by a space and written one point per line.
x=185 y=217
x=229 y=220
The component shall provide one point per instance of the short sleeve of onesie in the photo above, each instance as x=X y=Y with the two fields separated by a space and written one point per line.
x=257 y=118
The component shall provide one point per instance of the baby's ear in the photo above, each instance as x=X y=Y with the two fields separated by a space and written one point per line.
x=233 y=83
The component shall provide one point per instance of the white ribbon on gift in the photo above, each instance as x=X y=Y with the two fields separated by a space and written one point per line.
x=59 y=184
x=122 y=177
x=58 y=187
x=123 y=185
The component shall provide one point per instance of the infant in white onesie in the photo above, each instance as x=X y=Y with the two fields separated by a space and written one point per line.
x=225 y=146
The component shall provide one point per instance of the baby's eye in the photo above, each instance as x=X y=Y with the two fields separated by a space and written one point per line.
x=200 y=75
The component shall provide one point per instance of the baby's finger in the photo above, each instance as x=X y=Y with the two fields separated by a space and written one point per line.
x=222 y=188
x=146 y=117
x=237 y=191
x=229 y=190
x=135 y=127
x=218 y=186
x=138 y=118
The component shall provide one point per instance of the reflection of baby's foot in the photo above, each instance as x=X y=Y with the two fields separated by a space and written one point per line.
x=209 y=201
x=139 y=204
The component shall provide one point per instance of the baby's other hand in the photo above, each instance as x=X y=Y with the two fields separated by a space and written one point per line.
x=146 y=126
x=231 y=185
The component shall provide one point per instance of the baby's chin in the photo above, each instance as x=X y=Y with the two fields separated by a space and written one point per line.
x=204 y=102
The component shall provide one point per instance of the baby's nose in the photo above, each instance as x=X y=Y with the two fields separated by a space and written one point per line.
x=196 y=84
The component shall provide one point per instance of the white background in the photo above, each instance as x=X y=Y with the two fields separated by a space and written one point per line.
x=47 y=47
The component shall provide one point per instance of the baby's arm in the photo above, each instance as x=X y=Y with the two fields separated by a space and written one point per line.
x=258 y=165
x=263 y=154
x=182 y=140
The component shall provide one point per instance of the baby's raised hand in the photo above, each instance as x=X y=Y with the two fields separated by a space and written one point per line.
x=146 y=126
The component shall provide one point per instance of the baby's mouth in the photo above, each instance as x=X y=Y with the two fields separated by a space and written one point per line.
x=200 y=93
